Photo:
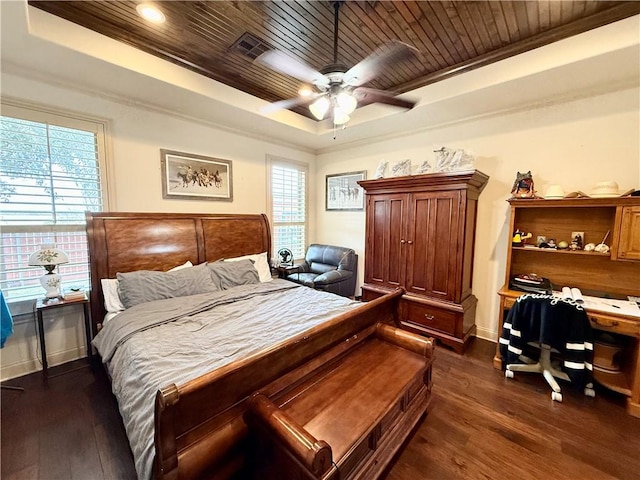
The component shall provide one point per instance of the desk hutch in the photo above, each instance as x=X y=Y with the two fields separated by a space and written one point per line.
x=615 y=274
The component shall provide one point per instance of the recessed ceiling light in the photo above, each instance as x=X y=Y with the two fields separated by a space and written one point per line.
x=150 y=12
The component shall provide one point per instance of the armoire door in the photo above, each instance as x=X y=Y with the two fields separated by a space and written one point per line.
x=432 y=241
x=386 y=239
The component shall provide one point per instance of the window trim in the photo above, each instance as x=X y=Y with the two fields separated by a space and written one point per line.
x=272 y=161
x=12 y=107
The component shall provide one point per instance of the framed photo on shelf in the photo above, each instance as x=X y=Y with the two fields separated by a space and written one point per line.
x=577 y=241
x=343 y=192
x=186 y=176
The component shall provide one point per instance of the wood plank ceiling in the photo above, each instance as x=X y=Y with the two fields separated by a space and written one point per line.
x=220 y=39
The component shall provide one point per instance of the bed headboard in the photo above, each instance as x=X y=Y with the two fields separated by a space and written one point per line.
x=125 y=242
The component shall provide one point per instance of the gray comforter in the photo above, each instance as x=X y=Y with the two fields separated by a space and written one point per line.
x=176 y=340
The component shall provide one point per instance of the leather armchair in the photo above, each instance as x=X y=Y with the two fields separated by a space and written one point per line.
x=329 y=268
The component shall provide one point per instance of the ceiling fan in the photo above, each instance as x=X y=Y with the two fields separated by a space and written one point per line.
x=339 y=90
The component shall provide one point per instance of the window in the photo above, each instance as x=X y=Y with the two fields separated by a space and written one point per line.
x=288 y=202
x=51 y=172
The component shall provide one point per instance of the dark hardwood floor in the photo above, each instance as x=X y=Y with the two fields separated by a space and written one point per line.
x=481 y=426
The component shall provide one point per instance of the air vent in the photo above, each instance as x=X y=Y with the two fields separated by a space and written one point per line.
x=250 y=46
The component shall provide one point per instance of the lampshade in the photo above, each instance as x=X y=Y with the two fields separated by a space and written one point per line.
x=48 y=257
x=346 y=102
x=320 y=107
x=339 y=117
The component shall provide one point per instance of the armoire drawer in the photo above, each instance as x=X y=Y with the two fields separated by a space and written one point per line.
x=428 y=316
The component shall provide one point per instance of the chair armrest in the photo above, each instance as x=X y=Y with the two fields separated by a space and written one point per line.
x=334 y=276
x=301 y=268
x=314 y=454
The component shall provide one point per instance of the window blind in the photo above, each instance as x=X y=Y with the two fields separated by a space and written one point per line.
x=50 y=174
x=289 y=207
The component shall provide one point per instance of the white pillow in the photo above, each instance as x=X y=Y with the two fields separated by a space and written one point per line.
x=259 y=262
x=112 y=302
x=186 y=264
x=109 y=316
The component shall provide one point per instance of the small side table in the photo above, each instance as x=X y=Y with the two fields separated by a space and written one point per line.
x=285 y=271
x=43 y=305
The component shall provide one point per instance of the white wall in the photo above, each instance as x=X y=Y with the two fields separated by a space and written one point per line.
x=136 y=136
x=575 y=144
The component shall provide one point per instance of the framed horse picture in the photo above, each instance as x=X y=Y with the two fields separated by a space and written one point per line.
x=343 y=191
x=186 y=176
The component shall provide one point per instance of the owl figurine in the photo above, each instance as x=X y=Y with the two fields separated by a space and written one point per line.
x=523 y=186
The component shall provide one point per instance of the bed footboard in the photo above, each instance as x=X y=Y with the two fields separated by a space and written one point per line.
x=199 y=427
x=346 y=419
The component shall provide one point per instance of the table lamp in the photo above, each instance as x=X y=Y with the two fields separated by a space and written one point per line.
x=48 y=257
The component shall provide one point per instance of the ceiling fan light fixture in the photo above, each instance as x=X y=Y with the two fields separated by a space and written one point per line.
x=339 y=117
x=338 y=88
x=320 y=107
x=346 y=102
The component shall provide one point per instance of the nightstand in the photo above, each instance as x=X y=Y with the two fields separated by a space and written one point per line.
x=285 y=271
x=43 y=305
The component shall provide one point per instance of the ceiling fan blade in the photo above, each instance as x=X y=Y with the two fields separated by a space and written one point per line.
x=383 y=56
x=289 y=103
x=366 y=96
x=288 y=65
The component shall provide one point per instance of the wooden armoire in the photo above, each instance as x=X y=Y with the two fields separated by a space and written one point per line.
x=420 y=236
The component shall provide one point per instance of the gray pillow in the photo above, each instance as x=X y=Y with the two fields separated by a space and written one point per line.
x=146 y=285
x=231 y=274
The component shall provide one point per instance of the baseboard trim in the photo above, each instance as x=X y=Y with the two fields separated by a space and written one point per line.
x=19 y=369
x=486 y=334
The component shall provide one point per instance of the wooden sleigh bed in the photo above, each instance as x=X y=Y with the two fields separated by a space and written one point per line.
x=200 y=427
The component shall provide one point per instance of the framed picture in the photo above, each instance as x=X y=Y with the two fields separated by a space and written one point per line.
x=577 y=241
x=343 y=191
x=186 y=176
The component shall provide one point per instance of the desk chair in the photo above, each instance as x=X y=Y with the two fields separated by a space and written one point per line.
x=554 y=325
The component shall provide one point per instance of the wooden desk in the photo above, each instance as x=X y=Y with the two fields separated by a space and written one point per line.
x=616 y=219
x=627 y=382
x=43 y=305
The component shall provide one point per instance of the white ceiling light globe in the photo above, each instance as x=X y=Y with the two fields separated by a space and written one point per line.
x=347 y=102
x=339 y=117
x=320 y=107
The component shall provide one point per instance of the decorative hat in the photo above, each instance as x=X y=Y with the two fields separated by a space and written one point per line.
x=605 y=189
